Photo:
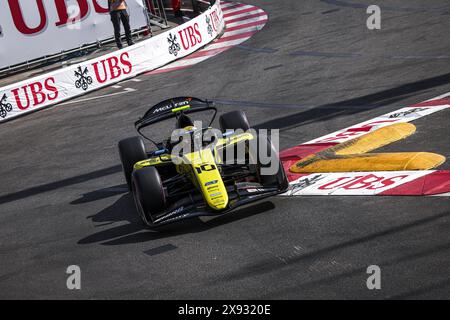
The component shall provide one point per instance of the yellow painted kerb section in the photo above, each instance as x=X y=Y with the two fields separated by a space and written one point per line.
x=352 y=155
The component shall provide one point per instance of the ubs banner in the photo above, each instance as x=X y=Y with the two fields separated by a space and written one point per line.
x=31 y=29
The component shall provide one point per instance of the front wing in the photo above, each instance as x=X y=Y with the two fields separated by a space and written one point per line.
x=198 y=207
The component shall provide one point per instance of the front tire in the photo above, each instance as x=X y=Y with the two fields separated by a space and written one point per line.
x=131 y=150
x=234 y=120
x=148 y=193
x=264 y=149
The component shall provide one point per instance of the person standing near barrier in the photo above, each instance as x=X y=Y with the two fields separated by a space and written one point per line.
x=176 y=7
x=118 y=12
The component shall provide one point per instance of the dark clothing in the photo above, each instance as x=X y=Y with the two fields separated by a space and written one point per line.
x=116 y=17
x=115 y=4
x=176 y=7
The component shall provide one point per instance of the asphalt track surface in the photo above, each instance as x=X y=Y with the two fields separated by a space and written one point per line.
x=315 y=68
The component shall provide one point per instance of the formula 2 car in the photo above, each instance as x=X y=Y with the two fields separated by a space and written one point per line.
x=170 y=183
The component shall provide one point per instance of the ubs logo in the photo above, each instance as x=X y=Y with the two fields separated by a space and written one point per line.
x=83 y=81
x=208 y=22
x=5 y=107
x=174 y=46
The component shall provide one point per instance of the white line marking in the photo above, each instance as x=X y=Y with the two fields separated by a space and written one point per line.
x=133 y=80
x=126 y=90
x=442 y=96
x=224 y=44
x=229 y=12
x=239 y=31
x=236 y=16
x=226 y=5
x=185 y=62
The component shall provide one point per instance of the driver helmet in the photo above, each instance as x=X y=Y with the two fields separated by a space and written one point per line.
x=185 y=122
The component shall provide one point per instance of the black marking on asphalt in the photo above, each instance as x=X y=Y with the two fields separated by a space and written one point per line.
x=262 y=50
x=273 y=67
x=59 y=184
x=330 y=11
x=161 y=249
x=103 y=224
x=325 y=54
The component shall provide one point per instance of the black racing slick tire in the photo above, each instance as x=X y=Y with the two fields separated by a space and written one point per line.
x=148 y=193
x=234 y=120
x=131 y=150
x=263 y=167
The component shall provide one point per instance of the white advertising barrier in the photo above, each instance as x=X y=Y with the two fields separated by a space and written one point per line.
x=32 y=29
x=52 y=88
x=351 y=183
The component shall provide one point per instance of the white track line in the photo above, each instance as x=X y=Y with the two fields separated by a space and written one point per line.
x=243 y=24
x=231 y=11
x=442 y=195
x=225 y=44
x=125 y=91
x=257 y=10
x=243 y=30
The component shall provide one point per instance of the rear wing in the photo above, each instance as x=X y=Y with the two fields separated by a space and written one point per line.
x=171 y=107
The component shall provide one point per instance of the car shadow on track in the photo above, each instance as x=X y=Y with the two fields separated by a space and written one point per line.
x=355 y=105
x=52 y=186
x=267 y=266
x=134 y=231
x=339 y=278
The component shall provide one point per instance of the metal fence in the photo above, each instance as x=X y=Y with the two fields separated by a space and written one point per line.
x=156 y=14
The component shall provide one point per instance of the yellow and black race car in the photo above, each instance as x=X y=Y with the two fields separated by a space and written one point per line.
x=199 y=171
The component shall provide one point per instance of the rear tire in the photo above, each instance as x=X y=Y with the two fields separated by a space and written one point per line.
x=148 y=193
x=131 y=150
x=234 y=120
